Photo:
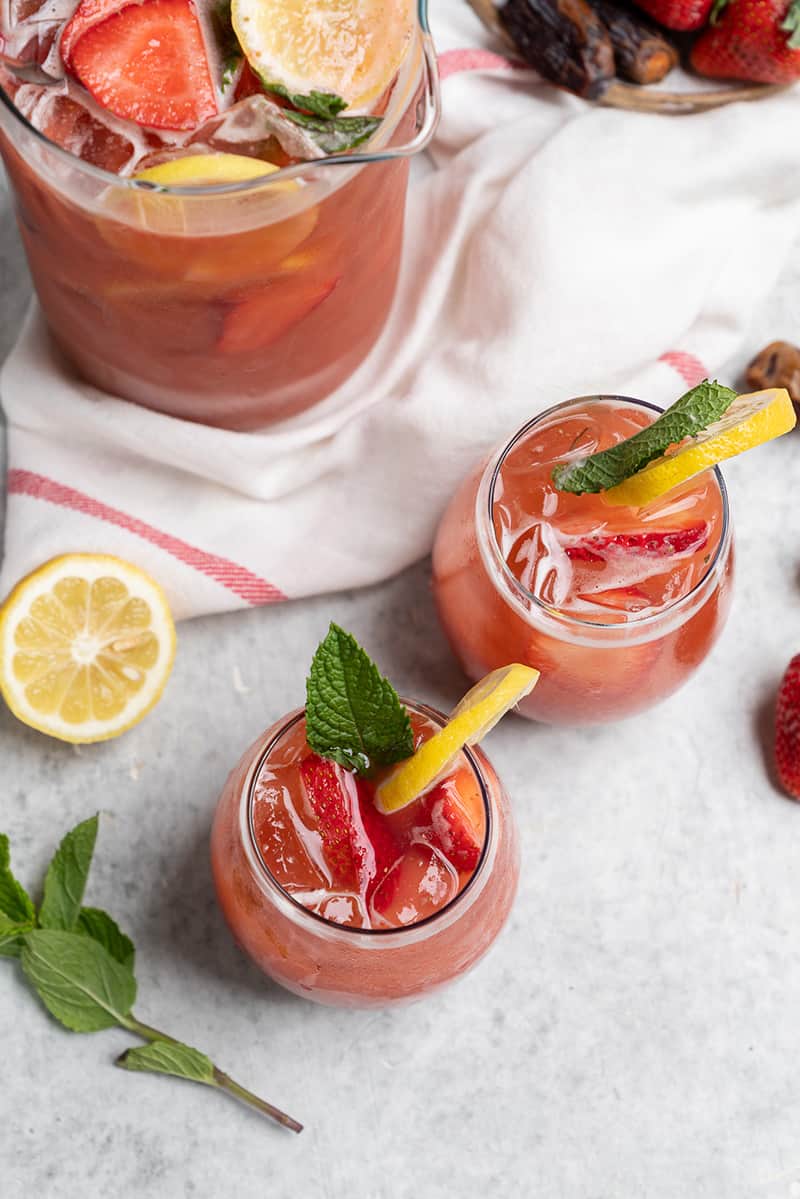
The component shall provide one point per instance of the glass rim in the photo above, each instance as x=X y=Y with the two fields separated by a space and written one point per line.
x=569 y=620
x=427 y=68
x=288 y=723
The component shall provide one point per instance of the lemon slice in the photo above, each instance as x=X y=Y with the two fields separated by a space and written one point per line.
x=198 y=169
x=476 y=714
x=86 y=644
x=751 y=420
x=347 y=48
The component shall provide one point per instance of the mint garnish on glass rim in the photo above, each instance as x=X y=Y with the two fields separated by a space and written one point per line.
x=689 y=415
x=81 y=966
x=353 y=714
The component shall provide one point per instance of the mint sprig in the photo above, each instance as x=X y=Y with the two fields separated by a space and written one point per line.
x=66 y=877
x=334 y=135
x=353 y=714
x=81 y=967
x=689 y=415
x=321 y=104
x=230 y=52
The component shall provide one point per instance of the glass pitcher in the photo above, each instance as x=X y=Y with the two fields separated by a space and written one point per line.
x=236 y=305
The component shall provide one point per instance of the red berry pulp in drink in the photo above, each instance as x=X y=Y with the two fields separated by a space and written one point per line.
x=615 y=606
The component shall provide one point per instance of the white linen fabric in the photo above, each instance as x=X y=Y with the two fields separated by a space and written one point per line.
x=555 y=249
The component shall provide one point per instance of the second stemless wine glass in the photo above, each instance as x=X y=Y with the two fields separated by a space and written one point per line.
x=591 y=671
x=334 y=963
x=236 y=305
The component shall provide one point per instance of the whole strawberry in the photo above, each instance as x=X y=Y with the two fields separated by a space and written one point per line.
x=758 y=40
x=678 y=14
x=787 y=730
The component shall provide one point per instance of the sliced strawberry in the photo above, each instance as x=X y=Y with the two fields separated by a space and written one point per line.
x=260 y=319
x=787 y=730
x=87 y=14
x=358 y=843
x=143 y=62
x=451 y=830
x=656 y=543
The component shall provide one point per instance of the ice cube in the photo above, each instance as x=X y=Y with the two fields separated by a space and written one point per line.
x=419 y=884
x=258 y=127
x=73 y=121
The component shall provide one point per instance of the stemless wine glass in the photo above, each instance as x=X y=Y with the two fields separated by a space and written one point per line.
x=591 y=671
x=341 y=965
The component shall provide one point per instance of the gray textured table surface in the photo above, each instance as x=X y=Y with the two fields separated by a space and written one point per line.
x=633 y=1033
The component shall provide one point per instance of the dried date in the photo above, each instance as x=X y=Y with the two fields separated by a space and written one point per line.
x=565 y=40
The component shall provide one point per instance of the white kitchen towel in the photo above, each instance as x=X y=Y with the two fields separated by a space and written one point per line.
x=555 y=249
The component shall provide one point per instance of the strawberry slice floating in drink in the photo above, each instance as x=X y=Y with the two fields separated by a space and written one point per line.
x=258 y=320
x=451 y=829
x=143 y=62
x=655 y=543
x=359 y=846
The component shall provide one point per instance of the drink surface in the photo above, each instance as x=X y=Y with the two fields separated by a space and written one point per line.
x=327 y=845
x=227 y=108
x=581 y=556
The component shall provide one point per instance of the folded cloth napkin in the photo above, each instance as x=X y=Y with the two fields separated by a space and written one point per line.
x=556 y=249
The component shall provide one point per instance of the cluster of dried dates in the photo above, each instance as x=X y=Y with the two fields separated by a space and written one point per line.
x=582 y=45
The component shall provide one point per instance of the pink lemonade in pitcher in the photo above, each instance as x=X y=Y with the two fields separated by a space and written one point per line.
x=198 y=237
x=615 y=605
x=344 y=902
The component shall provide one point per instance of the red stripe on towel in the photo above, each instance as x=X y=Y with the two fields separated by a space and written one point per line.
x=238 y=579
x=453 y=62
x=690 y=369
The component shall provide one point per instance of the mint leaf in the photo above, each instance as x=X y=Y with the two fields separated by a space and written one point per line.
x=66 y=877
x=692 y=413
x=320 y=104
x=169 y=1057
x=98 y=925
x=14 y=899
x=11 y=932
x=791 y=24
x=230 y=51
x=334 y=135
x=353 y=714
x=77 y=980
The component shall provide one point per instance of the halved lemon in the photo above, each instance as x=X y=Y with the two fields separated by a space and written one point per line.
x=87 y=643
x=476 y=714
x=751 y=420
x=347 y=48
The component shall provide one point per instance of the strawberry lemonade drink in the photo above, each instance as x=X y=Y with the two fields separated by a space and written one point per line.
x=364 y=889
x=615 y=594
x=211 y=195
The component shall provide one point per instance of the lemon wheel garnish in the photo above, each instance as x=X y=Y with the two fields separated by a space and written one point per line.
x=476 y=714
x=347 y=48
x=87 y=644
x=750 y=421
x=194 y=170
